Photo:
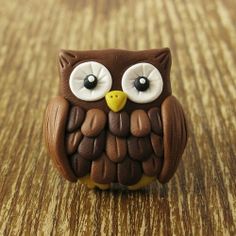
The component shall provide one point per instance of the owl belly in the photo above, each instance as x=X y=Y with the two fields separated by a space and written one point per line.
x=115 y=148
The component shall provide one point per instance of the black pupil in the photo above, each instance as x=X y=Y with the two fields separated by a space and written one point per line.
x=90 y=81
x=141 y=83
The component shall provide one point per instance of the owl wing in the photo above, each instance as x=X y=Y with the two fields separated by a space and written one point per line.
x=54 y=133
x=174 y=136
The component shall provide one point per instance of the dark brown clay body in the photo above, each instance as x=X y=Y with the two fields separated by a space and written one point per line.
x=88 y=139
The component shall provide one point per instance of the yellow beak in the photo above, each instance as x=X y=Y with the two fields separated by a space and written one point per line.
x=116 y=100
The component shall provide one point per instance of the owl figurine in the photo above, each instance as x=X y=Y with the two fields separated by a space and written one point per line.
x=115 y=120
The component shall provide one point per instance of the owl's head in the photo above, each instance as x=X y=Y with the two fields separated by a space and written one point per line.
x=115 y=79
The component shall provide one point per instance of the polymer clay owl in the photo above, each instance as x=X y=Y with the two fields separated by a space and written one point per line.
x=115 y=119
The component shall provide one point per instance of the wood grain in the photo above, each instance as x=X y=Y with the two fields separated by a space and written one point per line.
x=201 y=198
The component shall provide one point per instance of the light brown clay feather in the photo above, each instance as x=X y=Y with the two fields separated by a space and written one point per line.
x=54 y=133
x=174 y=136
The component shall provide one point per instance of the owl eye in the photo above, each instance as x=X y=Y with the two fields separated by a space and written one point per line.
x=90 y=81
x=142 y=83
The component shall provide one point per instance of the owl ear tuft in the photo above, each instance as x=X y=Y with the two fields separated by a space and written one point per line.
x=163 y=58
x=66 y=58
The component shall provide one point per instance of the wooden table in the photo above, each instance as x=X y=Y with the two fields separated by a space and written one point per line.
x=201 y=198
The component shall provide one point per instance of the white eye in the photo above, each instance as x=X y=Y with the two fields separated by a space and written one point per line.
x=142 y=83
x=90 y=81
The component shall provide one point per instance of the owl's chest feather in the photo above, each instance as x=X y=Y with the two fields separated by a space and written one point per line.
x=114 y=147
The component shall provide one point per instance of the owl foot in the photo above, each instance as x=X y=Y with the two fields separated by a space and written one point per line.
x=144 y=181
x=86 y=180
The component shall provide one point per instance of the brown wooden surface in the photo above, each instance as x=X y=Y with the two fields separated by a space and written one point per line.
x=201 y=198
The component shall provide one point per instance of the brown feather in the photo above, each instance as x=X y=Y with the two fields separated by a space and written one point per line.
x=140 y=125
x=139 y=148
x=119 y=123
x=54 y=134
x=72 y=141
x=155 y=118
x=92 y=148
x=75 y=119
x=80 y=165
x=152 y=166
x=94 y=123
x=126 y=152
x=129 y=172
x=157 y=144
x=103 y=170
x=116 y=148
x=174 y=138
